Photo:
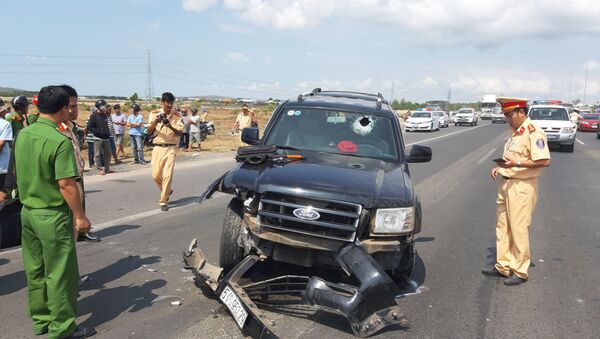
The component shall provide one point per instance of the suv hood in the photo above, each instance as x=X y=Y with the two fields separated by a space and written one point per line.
x=365 y=181
x=419 y=120
x=553 y=123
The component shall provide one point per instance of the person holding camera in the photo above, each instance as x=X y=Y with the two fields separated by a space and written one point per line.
x=168 y=128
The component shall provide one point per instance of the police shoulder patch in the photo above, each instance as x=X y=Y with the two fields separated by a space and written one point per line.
x=540 y=143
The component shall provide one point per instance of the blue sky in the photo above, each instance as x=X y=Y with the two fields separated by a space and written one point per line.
x=416 y=50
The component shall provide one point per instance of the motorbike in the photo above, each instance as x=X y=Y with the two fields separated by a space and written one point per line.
x=206 y=128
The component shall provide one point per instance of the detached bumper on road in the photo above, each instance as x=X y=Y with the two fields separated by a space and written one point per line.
x=368 y=307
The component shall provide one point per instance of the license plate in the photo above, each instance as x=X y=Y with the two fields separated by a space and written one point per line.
x=552 y=136
x=234 y=305
x=594 y=126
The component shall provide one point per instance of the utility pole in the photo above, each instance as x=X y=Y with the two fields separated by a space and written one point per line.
x=392 y=94
x=449 y=96
x=149 y=85
x=570 y=76
x=587 y=66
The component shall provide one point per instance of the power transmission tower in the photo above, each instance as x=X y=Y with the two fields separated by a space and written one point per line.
x=150 y=84
x=587 y=67
x=449 y=96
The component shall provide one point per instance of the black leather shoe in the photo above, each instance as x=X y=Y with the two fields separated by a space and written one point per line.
x=514 y=280
x=82 y=332
x=88 y=237
x=492 y=272
x=164 y=208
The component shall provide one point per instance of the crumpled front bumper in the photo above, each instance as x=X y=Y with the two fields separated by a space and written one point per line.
x=368 y=307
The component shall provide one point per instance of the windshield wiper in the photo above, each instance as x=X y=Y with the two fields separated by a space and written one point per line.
x=289 y=148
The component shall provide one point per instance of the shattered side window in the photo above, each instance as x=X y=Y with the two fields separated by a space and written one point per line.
x=362 y=134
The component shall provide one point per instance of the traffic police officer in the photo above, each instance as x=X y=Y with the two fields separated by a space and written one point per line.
x=525 y=154
x=45 y=161
x=18 y=119
x=169 y=128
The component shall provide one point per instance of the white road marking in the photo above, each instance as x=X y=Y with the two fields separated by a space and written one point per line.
x=131 y=218
x=445 y=135
x=486 y=156
x=579 y=141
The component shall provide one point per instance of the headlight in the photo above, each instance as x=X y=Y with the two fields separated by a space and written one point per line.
x=394 y=220
x=568 y=130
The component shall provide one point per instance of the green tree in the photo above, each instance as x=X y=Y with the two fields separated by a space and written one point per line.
x=134 y=98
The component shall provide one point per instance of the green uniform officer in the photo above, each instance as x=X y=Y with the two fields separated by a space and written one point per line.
x=44 y=159
x=19 y=119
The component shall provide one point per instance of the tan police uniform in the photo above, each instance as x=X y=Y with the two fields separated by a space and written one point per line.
x=517 y=197
x=243 y=121
x=163 y=155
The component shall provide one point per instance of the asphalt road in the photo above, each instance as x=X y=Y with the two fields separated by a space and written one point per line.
x=561 y=299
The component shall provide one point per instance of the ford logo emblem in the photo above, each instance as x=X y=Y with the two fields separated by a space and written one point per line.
x=306 y=214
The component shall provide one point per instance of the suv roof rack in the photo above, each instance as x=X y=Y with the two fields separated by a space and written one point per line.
x=378 y=98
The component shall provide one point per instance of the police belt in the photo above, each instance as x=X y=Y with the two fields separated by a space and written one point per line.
x=165 y=145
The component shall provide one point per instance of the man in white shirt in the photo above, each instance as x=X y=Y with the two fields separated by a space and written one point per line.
x=194 y=123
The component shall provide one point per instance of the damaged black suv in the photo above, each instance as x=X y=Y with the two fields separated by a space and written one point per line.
x=327 y=185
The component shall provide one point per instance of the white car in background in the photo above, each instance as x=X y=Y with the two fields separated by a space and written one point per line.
x=498 y=116
x=554 y=120
x=422 y=121
x=443 y=117
x=466 y=116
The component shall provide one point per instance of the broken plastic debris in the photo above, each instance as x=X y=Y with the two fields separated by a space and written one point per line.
x=164 y=297
x=541 y=260
x=83 y=280
x=176 y=303
x=152 y=270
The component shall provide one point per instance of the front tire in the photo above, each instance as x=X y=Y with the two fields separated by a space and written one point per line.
x=406 y=266
x=230 y=253
x=569 y=148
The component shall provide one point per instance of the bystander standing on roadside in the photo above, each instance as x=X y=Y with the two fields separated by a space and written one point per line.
x=184 y=140
x=51 y=206
x=194 y=124
x=69 y=129
x=168 y=127
x=203 y=114
x=119 y=120
x=525 y=155
x=89 y=139
x=5 y=140
x=111 y=140
x=98 y=125
x=135 y=123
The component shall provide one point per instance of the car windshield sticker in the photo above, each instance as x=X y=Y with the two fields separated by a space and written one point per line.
x=363 y=125
x=290 y=112
x=336 y=119
x=298 y=113
x=540 y=143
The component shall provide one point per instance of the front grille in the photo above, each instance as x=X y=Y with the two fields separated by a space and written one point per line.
x=338 y=220
x=551 y=129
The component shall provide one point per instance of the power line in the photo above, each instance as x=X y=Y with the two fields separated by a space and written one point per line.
x=70 y=73
x=71 y=65
x=187 y=67
x=70 y=56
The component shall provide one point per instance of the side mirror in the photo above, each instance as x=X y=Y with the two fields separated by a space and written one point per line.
x=250 y=135
x=419 y=153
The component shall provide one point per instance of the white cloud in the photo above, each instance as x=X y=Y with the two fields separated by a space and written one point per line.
x=236 y=57
x=505 y=82
x=268 y=60
x=443 y=23
x=197 y=5
x=427 y=82
x=154 y=25
x=310 y=53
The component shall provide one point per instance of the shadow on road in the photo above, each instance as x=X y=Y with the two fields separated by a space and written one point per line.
x=107 y=304
x=12 y=282
x=183 y=201
x=114 y=230
x=114 y=271
x=4 y=261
